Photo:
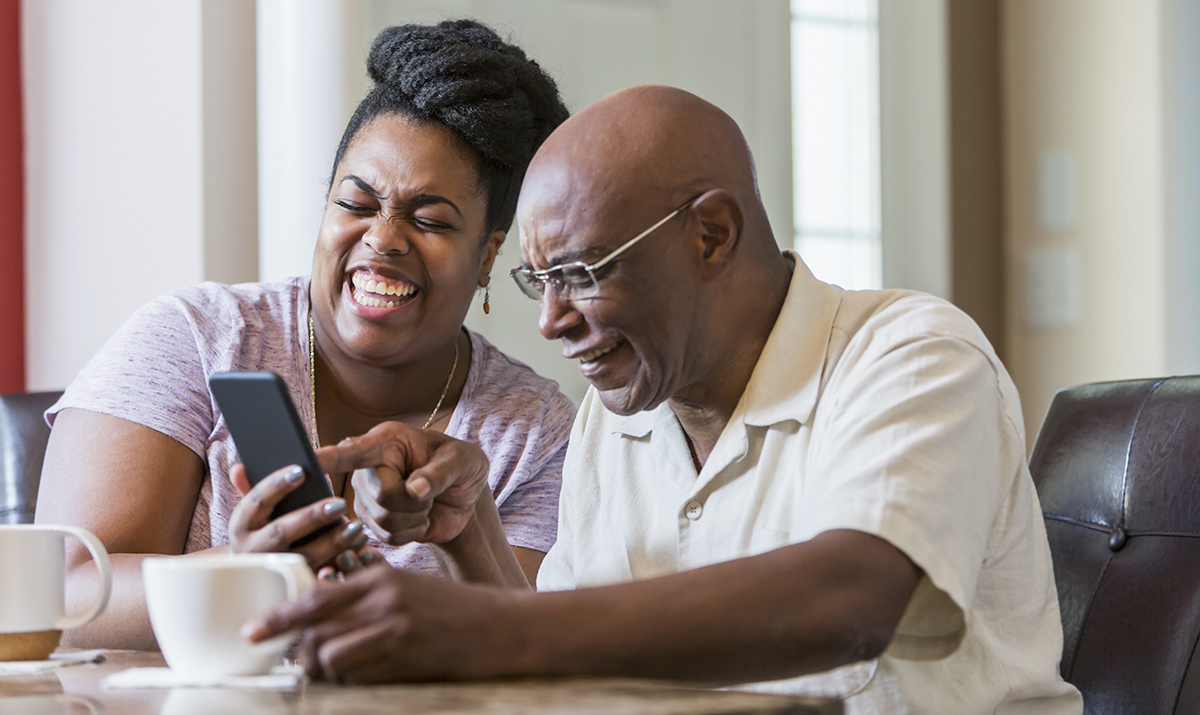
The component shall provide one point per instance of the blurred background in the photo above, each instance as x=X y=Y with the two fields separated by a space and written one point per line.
x=1035 y=161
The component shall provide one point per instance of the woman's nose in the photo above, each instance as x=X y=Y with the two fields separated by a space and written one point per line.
x=556 y=315
x=387 y=237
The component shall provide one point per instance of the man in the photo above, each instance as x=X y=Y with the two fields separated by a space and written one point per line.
x=771 y=479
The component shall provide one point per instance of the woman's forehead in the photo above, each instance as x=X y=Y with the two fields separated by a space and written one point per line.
x=393 y=152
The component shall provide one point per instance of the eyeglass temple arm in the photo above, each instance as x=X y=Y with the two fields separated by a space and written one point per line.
x=607 y=259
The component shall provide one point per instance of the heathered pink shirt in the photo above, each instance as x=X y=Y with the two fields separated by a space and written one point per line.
x=154 y=371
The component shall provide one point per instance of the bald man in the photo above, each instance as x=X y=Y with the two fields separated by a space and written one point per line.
x=770 y=479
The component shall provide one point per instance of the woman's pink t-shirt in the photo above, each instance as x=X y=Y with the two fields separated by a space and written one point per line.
x=154 y=371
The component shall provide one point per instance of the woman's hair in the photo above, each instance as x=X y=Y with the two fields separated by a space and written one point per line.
x=461 y=75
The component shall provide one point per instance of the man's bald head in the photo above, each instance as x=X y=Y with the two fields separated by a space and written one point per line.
x=674 y=314
x=649 y=142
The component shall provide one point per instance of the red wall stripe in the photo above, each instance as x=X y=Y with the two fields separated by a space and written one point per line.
x=12 y=203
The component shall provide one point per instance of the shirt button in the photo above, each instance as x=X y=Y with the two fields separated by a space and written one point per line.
x=693 y=510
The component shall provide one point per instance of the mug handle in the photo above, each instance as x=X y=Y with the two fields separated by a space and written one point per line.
x=298 y=579
x=100 y=557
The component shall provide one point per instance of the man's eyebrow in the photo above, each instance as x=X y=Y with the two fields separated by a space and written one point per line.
x=421 y=200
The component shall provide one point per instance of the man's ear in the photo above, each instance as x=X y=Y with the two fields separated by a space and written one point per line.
x=491 y=247
x=721 y=223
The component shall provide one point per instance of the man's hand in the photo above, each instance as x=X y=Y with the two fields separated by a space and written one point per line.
x=411 y=485
x=384 y=624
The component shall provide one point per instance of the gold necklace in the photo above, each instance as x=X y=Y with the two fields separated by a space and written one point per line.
x=312 y=380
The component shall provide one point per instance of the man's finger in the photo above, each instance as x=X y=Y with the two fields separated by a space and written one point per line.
x=319 y=605
x=349 y=655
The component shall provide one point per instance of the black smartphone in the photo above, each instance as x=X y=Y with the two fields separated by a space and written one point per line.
x=269 y=435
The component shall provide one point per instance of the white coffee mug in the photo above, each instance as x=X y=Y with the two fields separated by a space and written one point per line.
x=32 y=567
x=198 y=605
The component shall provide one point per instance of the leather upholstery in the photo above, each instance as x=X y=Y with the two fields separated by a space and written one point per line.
x=1117 y=468
x=23 y=437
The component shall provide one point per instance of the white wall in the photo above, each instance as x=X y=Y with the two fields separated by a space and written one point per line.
x=1083 y=79
x=140 y=174
x=1181 y=140
x=914 y=143
x=113 y=170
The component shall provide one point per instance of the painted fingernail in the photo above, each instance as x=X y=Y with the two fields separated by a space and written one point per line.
x=419 y=487
x=295 y=475
x=360 y=542
x=337 y=506
x=345 y=561
x=367 y=558
x=352 y=530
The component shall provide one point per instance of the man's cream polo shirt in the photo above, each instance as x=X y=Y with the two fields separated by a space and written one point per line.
x=882 y=411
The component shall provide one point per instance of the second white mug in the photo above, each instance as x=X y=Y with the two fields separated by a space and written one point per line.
x=198 y=605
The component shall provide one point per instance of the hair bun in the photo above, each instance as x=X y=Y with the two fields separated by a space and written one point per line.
x=460 y=73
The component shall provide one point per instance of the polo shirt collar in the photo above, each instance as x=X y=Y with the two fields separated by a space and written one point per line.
x=787 y=377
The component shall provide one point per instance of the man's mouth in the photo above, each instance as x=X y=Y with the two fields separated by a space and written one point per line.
x=593 y=355
x=376 y=291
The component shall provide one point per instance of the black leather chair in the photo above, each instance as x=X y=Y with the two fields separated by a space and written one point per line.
x=23 y=437
x=1117 y=468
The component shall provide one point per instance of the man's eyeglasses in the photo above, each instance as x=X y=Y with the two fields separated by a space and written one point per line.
x=578 y=280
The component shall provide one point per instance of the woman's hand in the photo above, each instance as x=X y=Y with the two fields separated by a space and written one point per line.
x=411 y=485
x=251 y=527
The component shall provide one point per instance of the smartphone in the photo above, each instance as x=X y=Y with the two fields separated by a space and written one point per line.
x=269 y=435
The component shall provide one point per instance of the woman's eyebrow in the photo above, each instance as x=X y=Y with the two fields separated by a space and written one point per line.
x=362 y=185
x=429 y=199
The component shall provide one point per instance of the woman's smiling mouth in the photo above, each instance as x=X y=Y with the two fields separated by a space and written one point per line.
x=376 y=291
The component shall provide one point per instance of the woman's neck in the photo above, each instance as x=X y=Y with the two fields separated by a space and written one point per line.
x=352 y=397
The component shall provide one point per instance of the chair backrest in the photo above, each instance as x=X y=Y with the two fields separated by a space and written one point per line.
x=1117 y=468
x=23 y=437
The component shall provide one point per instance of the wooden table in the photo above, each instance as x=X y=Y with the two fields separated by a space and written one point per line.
x=76 y=690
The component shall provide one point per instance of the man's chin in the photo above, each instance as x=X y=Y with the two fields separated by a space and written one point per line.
x=625 y=400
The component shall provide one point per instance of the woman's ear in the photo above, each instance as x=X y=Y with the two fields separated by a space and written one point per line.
x=491 y=247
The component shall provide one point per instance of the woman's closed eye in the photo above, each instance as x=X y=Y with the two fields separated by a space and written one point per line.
x=353 y=207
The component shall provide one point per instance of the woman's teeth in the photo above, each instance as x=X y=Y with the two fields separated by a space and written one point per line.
x=364 y=287
x=594 y=354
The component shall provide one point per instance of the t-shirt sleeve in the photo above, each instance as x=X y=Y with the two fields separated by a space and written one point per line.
x=911 y=449
x=149 y=372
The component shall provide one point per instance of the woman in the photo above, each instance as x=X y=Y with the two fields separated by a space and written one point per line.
x=424 y=186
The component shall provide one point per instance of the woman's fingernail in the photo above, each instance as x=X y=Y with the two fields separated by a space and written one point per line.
x=295 y=475
x=337 y=506
x=345 y=561
x=352 y=530
x=419 y=487
x=367 y=558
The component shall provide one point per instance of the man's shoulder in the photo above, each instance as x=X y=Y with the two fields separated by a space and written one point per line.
x=904 y=312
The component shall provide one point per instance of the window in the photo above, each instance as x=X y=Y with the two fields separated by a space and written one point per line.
x=835 y=139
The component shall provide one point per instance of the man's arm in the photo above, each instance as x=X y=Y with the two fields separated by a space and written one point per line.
x=799 y=609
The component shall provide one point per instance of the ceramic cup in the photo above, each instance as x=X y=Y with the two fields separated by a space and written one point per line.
x=32 y=567
x=198 y=605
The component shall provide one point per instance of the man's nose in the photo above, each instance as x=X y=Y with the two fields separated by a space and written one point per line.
x=556 y=315
x=387 y=236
